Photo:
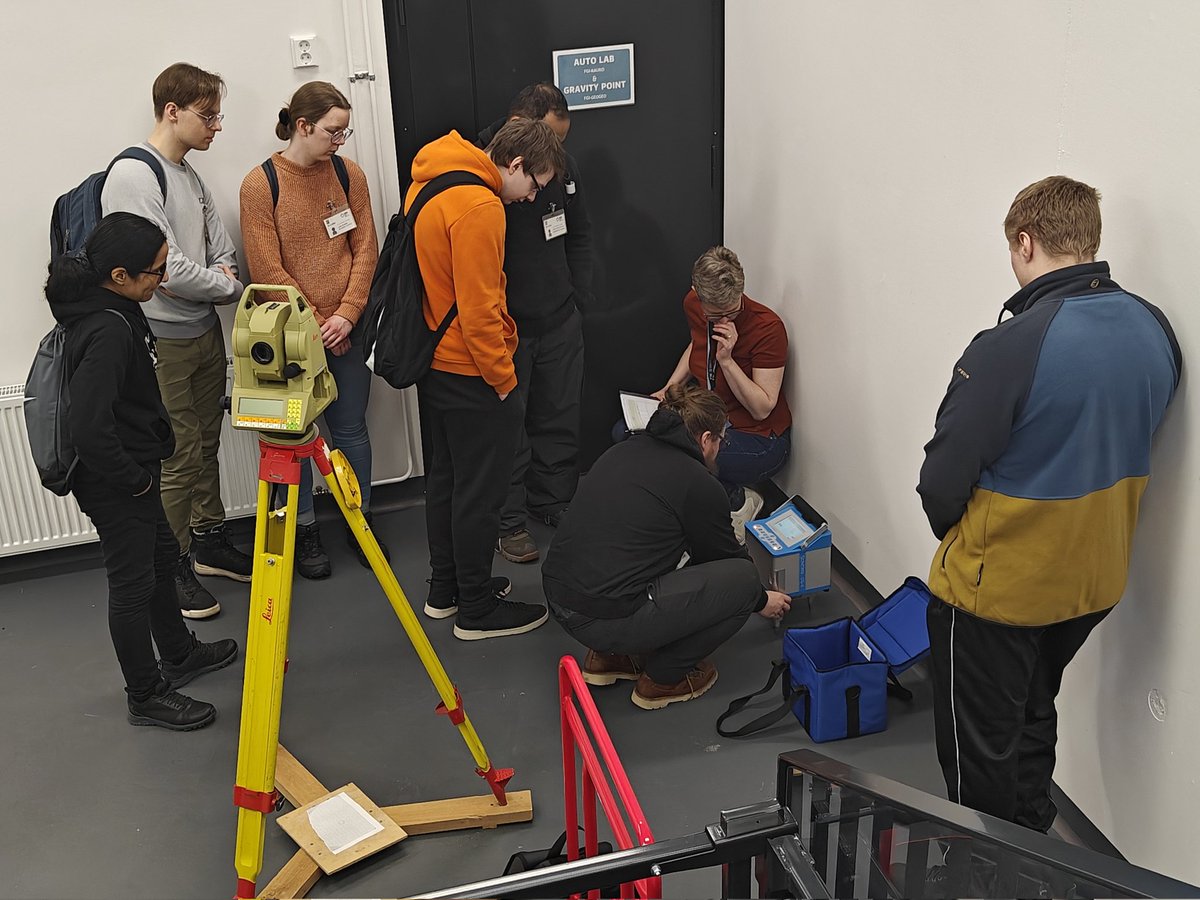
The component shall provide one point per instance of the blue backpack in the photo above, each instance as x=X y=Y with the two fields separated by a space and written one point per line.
x=78 y=210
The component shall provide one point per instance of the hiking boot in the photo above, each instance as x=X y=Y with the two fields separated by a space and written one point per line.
x=200 y=658
x=171 y=709
x=195 y=602
x=447 y=605
x=311 y=559
x=518 y=547
x=649 y=694
x=748 y=511
x=508 y=618
x=609 y=668
x=214 y=555
x=358 y=551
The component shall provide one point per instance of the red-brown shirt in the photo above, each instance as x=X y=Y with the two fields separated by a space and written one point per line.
x=761 y=344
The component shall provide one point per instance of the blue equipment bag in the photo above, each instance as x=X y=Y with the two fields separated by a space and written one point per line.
x=840 y=673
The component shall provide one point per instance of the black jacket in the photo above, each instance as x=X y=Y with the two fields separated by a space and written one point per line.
x=547 y=280
x=118 y=423
x=644 y=502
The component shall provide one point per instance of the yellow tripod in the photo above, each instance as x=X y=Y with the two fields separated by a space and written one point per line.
x=280 y=462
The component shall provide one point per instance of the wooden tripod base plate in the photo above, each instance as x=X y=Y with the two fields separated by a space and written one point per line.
x=301 y=788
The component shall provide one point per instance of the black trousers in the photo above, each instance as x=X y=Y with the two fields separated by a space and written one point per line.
x=468 y=435
x=140 y=557
x=994 y=717
x=688 y=613
x=545 y=472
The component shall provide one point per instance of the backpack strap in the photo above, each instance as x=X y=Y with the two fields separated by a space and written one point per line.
x=431 y=189
x=144 y=155
x=339 y=168
x=766 y=720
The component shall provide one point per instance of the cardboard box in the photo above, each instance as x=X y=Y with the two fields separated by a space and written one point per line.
x=792 y=548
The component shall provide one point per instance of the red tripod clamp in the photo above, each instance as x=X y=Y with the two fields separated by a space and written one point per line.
x=458 y=715
x=257 y=801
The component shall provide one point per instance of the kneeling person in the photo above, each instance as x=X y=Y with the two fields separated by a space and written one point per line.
x=610 y=576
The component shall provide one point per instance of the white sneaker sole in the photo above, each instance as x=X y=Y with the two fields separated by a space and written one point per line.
x=659 y=703
x=201 y=613
x=201 y=569
x=440 y=612
x=464 y=634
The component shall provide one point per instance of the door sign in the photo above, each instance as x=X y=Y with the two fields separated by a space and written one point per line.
x=595 y=76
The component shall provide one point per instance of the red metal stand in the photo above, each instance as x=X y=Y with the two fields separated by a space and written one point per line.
x=574 y=700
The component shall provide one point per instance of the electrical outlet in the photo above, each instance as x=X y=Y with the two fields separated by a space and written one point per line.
x=304 y=51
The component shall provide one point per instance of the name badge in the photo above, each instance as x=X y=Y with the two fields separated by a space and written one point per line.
x=554 y=224
x=340 y=221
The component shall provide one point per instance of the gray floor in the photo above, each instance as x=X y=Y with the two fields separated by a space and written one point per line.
x=94 y=807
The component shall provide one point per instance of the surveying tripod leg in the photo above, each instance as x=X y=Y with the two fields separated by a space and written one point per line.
x=262 y=691
x=345 y=491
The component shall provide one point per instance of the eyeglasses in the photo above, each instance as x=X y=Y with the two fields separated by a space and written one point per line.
x=726 y=314
x=537 y=188
x=210 y=122
x=337 y=137
x=158 y=273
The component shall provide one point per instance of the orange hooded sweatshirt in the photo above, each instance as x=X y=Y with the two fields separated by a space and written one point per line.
x=460 y=248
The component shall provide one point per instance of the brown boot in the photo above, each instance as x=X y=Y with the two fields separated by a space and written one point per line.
x=609 y=668
x=649 y=694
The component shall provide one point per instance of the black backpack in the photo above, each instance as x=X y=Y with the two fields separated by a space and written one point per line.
x=395 y=335
x=47 y=411
x=78 y=210
x=339 y=167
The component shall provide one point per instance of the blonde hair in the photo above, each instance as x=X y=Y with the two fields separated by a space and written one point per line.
x=718 y=278
x=701 y=409
x=1062 y=214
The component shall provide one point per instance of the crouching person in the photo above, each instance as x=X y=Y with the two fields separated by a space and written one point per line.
x=611 y=576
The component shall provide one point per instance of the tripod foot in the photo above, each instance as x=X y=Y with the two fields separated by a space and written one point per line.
x=245 y=888
x=497 y=779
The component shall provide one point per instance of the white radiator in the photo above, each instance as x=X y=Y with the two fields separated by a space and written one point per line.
x=32 y=518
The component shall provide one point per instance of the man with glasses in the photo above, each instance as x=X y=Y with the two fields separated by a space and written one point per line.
x=191 y=367
x=612 y=575
x=548 y=264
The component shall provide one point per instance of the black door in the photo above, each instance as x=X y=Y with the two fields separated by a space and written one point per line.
x=652 y=171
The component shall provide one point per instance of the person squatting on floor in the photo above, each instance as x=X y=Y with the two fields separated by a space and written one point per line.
x=1032 y=482
x=122 y=433
x=190 y=338
x=611 y=576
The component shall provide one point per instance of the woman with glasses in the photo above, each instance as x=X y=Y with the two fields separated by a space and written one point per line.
x=307 y=222
x=738 y=349
x=121 y=433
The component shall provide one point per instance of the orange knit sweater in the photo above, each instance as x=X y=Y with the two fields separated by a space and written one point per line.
x=289 y=245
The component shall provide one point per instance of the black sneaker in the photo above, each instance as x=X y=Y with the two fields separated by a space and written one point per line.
x=214 y=555
x=358 y=551
x=200 y=659
x=311 y=559
x=195 y=602
x=445 y=606
x=507 y=619
x=170 y=709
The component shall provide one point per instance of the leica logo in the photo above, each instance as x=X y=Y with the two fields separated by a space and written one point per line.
x=269 y=612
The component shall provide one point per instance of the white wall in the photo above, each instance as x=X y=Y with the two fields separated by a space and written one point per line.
x=80 y=77
x=872 y=151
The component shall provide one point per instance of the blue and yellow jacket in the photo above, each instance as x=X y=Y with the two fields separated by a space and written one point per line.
x=1041 y=450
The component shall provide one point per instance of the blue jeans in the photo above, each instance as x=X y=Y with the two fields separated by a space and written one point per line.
x=346 y=419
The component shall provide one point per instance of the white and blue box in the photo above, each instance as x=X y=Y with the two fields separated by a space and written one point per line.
x=792 y=548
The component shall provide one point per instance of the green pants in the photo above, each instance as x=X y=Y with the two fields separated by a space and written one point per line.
x=191 y=378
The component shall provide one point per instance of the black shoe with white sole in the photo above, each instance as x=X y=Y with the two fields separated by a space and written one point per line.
x=195 y=602
x=444 y=606
x=214 y=555
x=506 y=620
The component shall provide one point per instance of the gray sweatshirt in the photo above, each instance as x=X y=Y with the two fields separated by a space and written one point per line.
x=197 y=243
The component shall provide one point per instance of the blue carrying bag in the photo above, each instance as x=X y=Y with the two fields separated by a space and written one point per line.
x=839 y=674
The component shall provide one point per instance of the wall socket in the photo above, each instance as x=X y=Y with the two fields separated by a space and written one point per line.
x=304 y=51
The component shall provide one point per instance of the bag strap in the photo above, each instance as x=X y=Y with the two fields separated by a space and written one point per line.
x=339 y=168
x=143 y=155
x=431 y=189
x=766 y=720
